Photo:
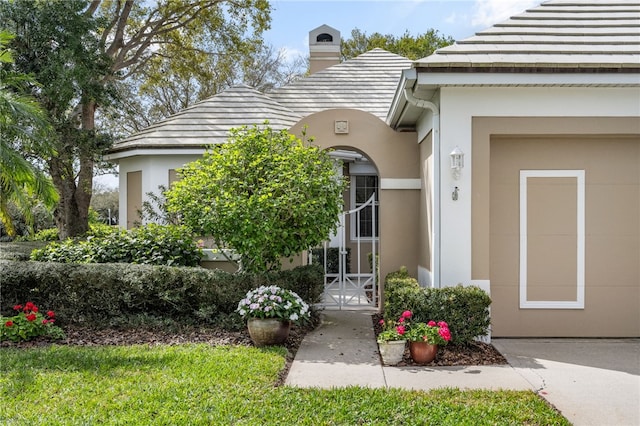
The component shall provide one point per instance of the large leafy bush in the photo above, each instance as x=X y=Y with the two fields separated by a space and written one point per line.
x=150 y=244
x=465 y=309
x=265 y=193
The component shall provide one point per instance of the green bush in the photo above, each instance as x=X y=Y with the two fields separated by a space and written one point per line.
x=465 y=309
x=332 y=258
x=151 y=244
x=108 y=295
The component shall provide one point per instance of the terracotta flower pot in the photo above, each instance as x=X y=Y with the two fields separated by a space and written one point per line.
x=391 y=352
x=268 y=331
x=422 y=352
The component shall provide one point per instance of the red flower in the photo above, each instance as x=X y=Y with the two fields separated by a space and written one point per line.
x=8 y=324
x=31 y=317
x=445 y=333
x=29 y=306
x=51 y=314
x=400 y=329
x=17 y=307
x=407 y=314
x=44 y=321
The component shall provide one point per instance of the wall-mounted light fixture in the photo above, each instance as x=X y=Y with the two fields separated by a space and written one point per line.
x=457 y=162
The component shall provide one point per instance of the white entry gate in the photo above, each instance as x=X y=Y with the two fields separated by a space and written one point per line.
x=352 y=283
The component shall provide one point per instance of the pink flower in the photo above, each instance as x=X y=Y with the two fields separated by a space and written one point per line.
x=431 y=323
x=407 y=314
x=401 y=319
x=381 y=322
x=400 y=329
x=44 y=321
x=442 y=324
x=444 y=333
x=8 y=324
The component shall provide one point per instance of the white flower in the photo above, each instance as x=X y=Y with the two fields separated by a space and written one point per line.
x=294 y=317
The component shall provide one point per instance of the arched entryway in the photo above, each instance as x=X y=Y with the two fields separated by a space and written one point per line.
x=374 y=156
x=350 y=256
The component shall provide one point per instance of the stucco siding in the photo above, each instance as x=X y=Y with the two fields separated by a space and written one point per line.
x=551 y=267
x=396 y=157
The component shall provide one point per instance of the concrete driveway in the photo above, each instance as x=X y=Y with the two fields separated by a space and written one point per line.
x=591 y=381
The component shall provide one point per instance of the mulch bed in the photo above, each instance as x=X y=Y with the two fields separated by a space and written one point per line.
x=476 y=353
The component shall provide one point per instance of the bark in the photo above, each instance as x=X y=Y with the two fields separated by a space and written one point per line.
x=72 y=213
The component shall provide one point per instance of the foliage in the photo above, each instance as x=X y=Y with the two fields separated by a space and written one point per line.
x=22 y=125
x=394 y=330
x=332 y=258
x=465 y=309
x=28 y=323
x=273 y=302
x=150 y=244
x=79 y=50
x=155 y=209
x=263 y=193
x=158 y=384
x=431 y=332
x=104 y=295
x=406 y=45
x=105 y=202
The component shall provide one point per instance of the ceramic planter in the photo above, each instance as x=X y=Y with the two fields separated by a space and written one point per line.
x=392 y=352
x=422 y=352
x=268 y=331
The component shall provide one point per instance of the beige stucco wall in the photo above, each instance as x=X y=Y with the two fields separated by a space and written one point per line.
x=134 y=198
x=396 y=157
x=608 y=150
x=425 y=217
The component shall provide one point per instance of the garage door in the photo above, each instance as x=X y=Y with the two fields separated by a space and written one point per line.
x=565 y=236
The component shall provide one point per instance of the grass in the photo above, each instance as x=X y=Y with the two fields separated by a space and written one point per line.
x=201 y=385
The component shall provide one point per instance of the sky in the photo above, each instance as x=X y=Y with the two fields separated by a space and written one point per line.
x=291 y=21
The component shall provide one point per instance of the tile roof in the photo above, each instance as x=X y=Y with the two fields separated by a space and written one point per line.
x=208 y=121
x=367 y=82
x=592 y=34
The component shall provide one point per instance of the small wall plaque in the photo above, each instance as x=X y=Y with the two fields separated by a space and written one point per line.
x=341 y=126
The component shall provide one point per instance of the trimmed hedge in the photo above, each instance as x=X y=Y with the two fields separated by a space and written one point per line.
x=112 y=295
x=465 y=309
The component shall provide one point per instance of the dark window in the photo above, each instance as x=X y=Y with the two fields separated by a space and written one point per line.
x=365 y=186
x=324 y=38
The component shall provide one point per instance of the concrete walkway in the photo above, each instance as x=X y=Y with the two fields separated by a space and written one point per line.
x=591 y=381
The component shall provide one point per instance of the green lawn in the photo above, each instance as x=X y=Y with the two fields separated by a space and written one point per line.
x=200 y=384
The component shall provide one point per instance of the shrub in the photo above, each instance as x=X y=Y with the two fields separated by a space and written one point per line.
x=151 y=244
x=28 y=323
x=465 y=309
x=108 y=295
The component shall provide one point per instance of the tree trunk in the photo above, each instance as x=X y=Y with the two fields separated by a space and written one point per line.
x=72 y=213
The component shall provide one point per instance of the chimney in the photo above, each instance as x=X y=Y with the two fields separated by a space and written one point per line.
x=324 y=48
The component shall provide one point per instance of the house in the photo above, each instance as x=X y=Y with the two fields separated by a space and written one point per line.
x=510 y=160
x=545 y=211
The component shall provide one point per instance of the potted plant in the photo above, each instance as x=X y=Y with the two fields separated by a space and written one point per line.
x=392 y=340
x=269 y=311
x=426 y=338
